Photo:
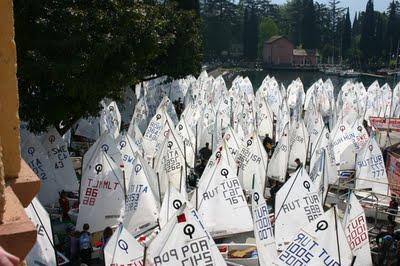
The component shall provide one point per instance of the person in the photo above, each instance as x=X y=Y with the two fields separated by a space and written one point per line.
x=199 y=168
x=178 y=107
x=385 y=245
x=8 y=259
x=268 y=144
x=85 y=245
x=393 y=209
x=274 y=189
x=205 y=152
x=298 y=163
x=64 y=205
x=71 y=246
x=107 y=234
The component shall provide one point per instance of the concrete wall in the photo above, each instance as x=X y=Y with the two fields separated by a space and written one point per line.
x=9 y=127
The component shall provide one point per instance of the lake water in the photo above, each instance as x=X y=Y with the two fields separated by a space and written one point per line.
x=308 y=78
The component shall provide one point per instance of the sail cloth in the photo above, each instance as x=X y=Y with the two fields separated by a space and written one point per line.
x=370 y=169
x=263 y=230
x=252 y=161
x=319 y=175
x=321 y=242
x=57 y=150
x=184 y=241
x=170 y=161
x=142 y=201
x=106 y=143
x=356 y=231
x=43 y=252
x=172 y=202
x=298 y=143
x=110 y=119
x=296 y=205
x=278 y=164
x=37 y=158
x=128 y=149
x=221 y=203
x=123 y=249
x=102 y=194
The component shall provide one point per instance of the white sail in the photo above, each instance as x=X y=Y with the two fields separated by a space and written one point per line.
x=296 y=205
x=36 y=157
x=221 y=201
x=277 y=166
x=154 y=133
x=136 y=135
x=110 y=119
x=356 y=231
x=370 y=169
x=102 y=194
x=319 y=175
x=321 y=242
x=127 y=148
x=252 y=161
x=184 y=241
x=88 y=128
x=263 y=230
x=170 y=161
x=189 y=140
x=105 y=143
x=298 y=143
x=142 y=202
x=172 y=202
x=346 y=141
x=123 y=249
x=265 y=119
x=43 y=252
x=57 y=151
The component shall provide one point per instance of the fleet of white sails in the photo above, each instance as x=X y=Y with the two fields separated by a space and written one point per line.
x=136 y=180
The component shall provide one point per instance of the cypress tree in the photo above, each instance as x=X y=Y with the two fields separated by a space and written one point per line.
x=368 y=32
x=253 y=34
x=310 y=33
x=246 y=33
x=393 y=31
x=346 y=34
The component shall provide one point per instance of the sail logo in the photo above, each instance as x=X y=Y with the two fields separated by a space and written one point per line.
x=310 y=203
x=132 y=199
x=196 y=252
x=262 y=222
x=153 y=130
x=171 y=160
x=245 y=156
x=37 y=166
x=357 y=232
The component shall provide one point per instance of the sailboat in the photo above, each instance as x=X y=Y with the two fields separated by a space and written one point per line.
x=356 y=231
x=44 y=251
x=184 y=241
x=297 y=204
x=321 y=242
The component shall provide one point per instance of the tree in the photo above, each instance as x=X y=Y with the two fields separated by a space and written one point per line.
x=392 y=33
x=346 y=34
x=73 y=54
x=336 y=13
x=266 y=30
x=253 y=34
x=310 y=34
x=367 y=41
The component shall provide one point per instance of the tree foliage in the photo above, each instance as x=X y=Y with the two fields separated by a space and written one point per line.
x=72 y=54
x=266 y=30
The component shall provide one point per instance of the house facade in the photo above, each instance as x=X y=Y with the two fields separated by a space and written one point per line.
x=280 y=51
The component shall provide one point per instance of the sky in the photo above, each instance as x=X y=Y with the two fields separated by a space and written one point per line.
x=354 y=5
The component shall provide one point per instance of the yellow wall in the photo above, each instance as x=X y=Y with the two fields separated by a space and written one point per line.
x=9 y=120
